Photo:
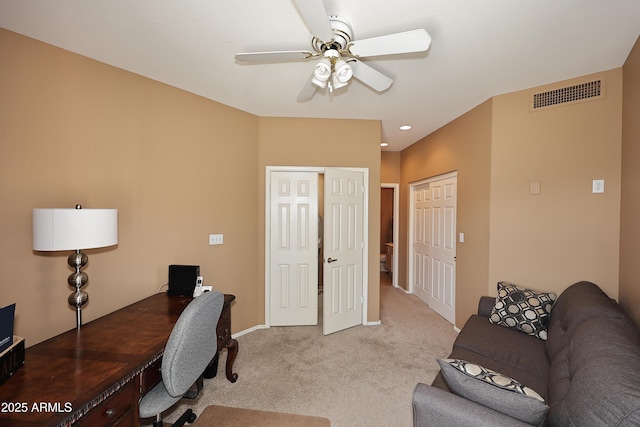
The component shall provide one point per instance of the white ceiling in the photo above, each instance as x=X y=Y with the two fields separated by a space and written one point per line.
x=479 y=49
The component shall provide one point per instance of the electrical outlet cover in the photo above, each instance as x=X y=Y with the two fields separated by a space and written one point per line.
x=598 y=186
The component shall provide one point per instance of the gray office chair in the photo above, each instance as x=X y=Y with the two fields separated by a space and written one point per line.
x=191 y=346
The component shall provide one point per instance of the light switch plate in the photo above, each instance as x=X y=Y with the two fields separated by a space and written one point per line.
x=216 y=239
x=534 y=188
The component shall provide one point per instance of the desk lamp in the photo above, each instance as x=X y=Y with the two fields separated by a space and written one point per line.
x=75 y=229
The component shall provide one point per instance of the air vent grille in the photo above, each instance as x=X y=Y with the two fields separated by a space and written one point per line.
x=571 y=94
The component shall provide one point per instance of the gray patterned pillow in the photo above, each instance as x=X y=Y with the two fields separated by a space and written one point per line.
x=494 y=390
x=522 y=309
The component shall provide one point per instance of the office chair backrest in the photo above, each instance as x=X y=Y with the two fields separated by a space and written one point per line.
x=192 y=343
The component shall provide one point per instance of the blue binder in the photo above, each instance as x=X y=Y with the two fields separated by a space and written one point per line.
x=6 y=326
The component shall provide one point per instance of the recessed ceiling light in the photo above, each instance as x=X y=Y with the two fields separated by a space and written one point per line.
x=405 y=127
x=384 y=144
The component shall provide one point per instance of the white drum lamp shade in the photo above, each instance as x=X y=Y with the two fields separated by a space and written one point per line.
x=72 y=229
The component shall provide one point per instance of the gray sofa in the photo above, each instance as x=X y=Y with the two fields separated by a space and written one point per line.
x=587 y=370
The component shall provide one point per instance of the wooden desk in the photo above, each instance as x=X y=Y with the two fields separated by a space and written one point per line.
x=96 y=376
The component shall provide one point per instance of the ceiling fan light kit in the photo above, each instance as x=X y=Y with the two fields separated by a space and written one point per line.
x=332 y=71
x=332 y=41
x=342 y=71
x=321 y=73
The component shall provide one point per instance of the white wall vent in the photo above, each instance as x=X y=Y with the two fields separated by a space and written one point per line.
x=588 y=91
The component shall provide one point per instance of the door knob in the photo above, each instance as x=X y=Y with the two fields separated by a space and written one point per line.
x=330 y=260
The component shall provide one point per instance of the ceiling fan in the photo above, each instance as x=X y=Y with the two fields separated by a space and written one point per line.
x=332 y=42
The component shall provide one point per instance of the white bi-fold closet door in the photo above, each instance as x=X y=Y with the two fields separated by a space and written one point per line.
x=432 y=255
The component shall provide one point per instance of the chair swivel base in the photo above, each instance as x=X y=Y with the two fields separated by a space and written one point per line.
x=194 y=391
x=188 y=417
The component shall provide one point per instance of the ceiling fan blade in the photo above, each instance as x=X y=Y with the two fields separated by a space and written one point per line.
x=367 y=75
x=316 y=17
x=308 y=90
x=405 y=42
x=277 y=55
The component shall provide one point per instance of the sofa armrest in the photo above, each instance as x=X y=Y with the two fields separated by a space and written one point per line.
x=485 y=306
x=436 y=407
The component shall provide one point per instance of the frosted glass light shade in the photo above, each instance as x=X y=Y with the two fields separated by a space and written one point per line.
x=72 y=229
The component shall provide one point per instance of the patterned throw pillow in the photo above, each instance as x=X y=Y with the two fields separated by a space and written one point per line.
x=494 y=390
x=522 y=309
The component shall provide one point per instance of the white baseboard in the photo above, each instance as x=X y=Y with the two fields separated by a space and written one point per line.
x=246 y=331
x=258 y=327
x=402 y=289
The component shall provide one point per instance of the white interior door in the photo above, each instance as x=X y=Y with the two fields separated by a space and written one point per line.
x=343 y=249
x=433 y=245
x=294 y=248
x=420 y=241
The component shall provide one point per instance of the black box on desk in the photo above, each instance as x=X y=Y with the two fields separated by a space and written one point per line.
x=182 y=279
x=12 y=358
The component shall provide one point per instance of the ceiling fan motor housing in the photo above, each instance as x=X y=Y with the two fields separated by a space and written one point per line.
x=342 y=36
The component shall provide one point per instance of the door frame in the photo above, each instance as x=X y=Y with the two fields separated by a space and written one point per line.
x=411 y=230
x=267 y=231
x=396 y=228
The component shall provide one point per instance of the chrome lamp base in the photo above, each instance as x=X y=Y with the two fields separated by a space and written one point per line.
x=78 y=279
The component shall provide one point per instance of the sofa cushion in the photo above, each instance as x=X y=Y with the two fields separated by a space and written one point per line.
x=582 y=301
x=522 y=309
x=596 y=380
x=507 y=346
x=494 y=390
x=538 y=382
x=559 y=377
x=579 y=302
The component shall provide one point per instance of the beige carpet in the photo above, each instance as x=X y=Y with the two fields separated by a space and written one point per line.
x=363 y=376
x=223 y=416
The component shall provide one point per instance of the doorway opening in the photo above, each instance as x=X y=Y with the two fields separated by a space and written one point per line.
x=389 y=230
x=297 y=231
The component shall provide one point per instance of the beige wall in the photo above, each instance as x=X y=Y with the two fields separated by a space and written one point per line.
x=354 y=143
x=630 y=206
x=546 y=241
x=566 y=233
x=464 y=145
x=77 y=131
x=177 y=166
x=390 y=167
